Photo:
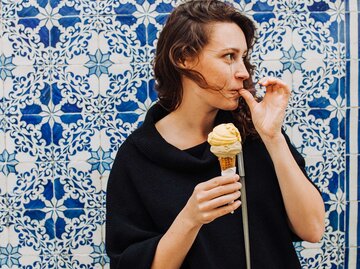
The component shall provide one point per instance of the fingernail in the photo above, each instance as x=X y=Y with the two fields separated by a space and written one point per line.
x=263 y=80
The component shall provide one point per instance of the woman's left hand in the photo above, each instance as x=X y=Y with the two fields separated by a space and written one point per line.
x=268 y=115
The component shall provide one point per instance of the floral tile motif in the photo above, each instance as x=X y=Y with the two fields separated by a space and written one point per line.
x=31 y=232
x=137 y=8
x=31 y=188
x=29 y=141
x=76 y=81
x=77 y=185
x=80 y=233
x=47 y=12
x=330 y=6
x=127 y=89
x=117 y=127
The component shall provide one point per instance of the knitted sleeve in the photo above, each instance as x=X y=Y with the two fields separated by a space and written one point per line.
x=131 y=238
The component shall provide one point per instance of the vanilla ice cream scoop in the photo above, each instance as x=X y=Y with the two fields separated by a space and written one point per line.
x=225 y=141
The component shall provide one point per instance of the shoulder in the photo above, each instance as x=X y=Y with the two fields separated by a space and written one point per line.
x=127 y=148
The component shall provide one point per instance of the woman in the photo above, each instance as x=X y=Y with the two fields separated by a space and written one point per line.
x=167 y=206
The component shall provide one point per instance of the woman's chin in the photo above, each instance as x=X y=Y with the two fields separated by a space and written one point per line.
x=231 y=105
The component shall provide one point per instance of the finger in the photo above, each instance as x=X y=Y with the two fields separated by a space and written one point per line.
x=249 y=98
x=269 y=80
x=217 y=181
x=220 y=201
x=219 y=212
x=275 y=83
x=222 y=190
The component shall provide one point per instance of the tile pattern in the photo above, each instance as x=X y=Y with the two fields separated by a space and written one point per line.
x=76 y=80
x=352 y=259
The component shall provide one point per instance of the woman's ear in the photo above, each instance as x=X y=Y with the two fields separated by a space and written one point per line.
x=181 y=62
x=187 y=62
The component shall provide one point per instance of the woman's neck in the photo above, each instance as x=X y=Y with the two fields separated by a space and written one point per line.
x=187 y=126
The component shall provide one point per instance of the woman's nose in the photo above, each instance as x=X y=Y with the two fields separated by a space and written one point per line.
x=240 y=70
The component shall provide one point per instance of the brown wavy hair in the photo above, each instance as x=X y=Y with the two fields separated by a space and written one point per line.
x=184 y=36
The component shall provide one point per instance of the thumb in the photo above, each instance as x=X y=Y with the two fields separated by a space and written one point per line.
x=249 y=98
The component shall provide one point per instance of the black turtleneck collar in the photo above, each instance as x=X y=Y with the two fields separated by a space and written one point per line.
x=149 y=141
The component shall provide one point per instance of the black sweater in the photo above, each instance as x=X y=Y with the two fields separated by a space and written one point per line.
x=150 y=183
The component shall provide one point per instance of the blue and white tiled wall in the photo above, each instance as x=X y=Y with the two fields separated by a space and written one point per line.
x=76 y=80
x=352 y=179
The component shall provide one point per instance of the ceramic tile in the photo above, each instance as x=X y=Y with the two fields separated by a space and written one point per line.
x=310 y=6
x=73 y=40
x=352 y=43
x=26 y=42
x=37 y=87
x=315 y=132
x=352 y=225
x=75 y=89
x=29 y=137
x=127 y=89
x=75 y=136
x=352 y=130
x=77 y=185
x=3 y=190
x=317 y=84
x=74 y=261
x=31 y=188
x=31 y=232
x=37 y=261
x=342 y=37
x=2 y=106
x=348 y=37
x=80 y=228
x=4 y=236
x=259 y=6
x=2 y=133
x=153 y=31
x=118 y=127
x=352 y=260
x=353 y=177
x=39 y=9
x=104 y=181
x=130 y=34
x=138 y=8
x=60 y=8
x=318 y=258
x=341 y=257
x=276 y=45
x=122 y=42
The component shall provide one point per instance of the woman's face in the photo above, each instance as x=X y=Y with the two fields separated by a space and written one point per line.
x=221 y=64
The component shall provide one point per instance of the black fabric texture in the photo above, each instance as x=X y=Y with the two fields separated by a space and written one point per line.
x=151 y=181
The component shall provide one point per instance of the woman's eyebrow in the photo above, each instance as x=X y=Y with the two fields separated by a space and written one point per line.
x=228 y=50
x=231 y=49
x=234 y=49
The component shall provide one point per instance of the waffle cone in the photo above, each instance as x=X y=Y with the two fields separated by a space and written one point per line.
x=227 y=162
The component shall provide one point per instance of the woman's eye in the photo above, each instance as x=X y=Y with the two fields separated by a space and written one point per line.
x=229 y=57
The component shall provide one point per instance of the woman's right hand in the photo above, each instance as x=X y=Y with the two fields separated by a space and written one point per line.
x=212 y=199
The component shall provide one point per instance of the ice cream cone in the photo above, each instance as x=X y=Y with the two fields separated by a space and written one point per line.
x=227 y=162
x=225 y=143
